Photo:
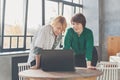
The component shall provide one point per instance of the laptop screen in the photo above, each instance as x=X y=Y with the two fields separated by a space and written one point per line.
x=57 y=60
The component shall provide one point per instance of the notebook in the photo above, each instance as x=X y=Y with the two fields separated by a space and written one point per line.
x=57 y=60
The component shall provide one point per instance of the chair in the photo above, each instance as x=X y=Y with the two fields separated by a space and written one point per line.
x=109 y=69
x=22 y=67
x=113 y=45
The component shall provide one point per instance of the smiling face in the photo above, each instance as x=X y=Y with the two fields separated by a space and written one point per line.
x=57 y=29
x=59 y=25
x=78 y=22
x=78 y=28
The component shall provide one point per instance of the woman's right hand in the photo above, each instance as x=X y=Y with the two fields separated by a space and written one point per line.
x=34 y=67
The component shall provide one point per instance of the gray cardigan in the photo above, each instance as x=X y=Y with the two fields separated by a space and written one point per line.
x=44 y=39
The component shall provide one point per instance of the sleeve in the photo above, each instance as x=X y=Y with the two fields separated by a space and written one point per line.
x=37 y=50
x=67 y=40
x=39 y=42
x=89 y=45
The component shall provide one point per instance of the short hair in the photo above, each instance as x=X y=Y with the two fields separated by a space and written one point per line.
x=61 y=20
x=79 y=18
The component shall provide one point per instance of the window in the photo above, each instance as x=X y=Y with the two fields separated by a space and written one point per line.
x=20 y=19
x=13 y=25
x=34 y=20
x=76 y=1
x=78 y=10
x=1 y=11
x=69 y=9
x=68 y=12
x=68 y=0
x=34 y=16
x=1 y=17
x=51 y=10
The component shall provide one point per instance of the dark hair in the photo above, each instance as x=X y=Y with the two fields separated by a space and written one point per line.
x=79 y=18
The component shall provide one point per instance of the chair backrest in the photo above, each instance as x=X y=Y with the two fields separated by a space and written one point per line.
x=113 y=45
x=109 y=69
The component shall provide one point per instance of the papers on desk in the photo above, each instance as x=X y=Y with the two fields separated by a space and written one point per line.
x=118 y=54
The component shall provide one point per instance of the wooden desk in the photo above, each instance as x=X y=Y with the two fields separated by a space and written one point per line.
x=79 y=74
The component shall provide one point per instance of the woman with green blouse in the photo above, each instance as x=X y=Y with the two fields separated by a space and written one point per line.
x=80 y=40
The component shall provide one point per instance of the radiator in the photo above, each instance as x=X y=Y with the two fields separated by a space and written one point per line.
x=22 y=67
x=109 y=69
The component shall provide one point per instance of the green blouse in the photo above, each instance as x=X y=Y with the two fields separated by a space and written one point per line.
x=81 y=44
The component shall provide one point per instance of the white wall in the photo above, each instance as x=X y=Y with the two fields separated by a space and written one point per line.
x=103 y=17
x=5 y=68
x=6 y=65
x=110 y=22
x=91 y=11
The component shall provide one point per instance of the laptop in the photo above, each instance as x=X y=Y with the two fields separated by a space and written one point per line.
x=57 y=60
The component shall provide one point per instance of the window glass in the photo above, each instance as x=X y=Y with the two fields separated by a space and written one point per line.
x=76 y=1
x=78 y=10
x=81 y=10
x=81 y=2
x=1 y=9
x=14 y=22
x=14 y=17
x=60 y=7
x=34 y=19
x=51 y=10
x=34 y=16
x=68 y=12
x=68 y=0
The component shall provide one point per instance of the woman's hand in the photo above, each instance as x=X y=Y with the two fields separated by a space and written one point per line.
x=91 y=67
x=34 y=67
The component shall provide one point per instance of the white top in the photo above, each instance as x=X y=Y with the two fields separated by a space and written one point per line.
x=43 y=39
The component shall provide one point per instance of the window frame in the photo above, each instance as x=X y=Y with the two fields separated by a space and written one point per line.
x=25 y=22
